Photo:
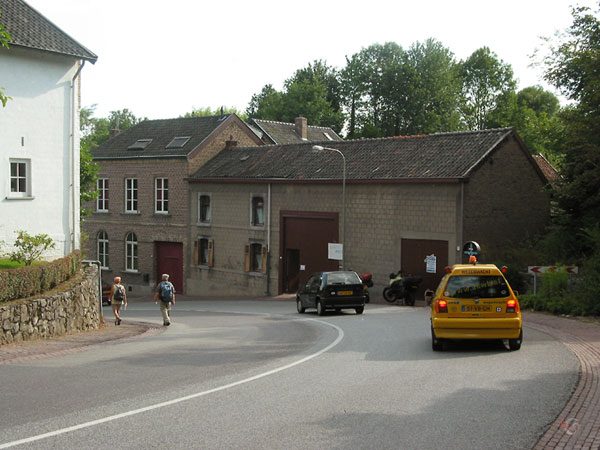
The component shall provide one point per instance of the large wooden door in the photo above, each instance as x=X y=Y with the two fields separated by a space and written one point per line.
x=414 y=253
x=169 y=259
x=304 y=246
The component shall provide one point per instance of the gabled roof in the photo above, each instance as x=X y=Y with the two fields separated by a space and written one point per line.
x=436 y=157
x=156 y=138
x=285 y=133
x=548 y=169
x=28 y=28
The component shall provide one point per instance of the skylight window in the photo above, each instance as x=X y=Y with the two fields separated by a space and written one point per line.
x=327 y=136
x=140 y=144
x=178 y=142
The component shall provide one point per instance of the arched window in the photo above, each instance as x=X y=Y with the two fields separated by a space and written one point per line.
x=131 y=252
x=103 y=249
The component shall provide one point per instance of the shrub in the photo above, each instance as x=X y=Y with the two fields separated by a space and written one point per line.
x=30 y=248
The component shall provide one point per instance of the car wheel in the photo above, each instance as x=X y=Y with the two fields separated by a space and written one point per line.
x=389 y=295
x=299 y=306
x=436 y=344
x=515 y=344
x=320 y=308
x=359 y=310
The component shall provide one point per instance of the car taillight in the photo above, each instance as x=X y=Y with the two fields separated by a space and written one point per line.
x=441 y=306
x=512 y=306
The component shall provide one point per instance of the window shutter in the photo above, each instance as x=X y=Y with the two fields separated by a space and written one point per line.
x=210 y=252
x=196 y=261
x=247 y=258
x=263 y=264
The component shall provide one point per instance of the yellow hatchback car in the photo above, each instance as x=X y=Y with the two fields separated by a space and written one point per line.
x=475 y=301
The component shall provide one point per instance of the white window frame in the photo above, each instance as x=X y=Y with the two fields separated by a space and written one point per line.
x=26 y=176
x=102 y=199
x=209 y=219
x=161 y=206
x=131 y=252
x=252 y=216
x=131 y=195
x=103 y=249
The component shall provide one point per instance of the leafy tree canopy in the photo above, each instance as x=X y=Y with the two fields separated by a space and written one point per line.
x=200 y=112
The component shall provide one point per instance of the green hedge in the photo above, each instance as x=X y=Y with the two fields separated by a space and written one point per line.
x=33 y=280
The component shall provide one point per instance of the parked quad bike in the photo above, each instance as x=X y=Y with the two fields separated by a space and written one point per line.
x=402 y=288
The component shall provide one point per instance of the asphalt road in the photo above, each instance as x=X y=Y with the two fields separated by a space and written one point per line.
x=258 y=375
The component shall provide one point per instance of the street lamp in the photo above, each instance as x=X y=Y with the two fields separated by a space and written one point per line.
x=319 y=148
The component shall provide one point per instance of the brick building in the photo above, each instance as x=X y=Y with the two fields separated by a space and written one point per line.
x=140 y=220
x=274 y=210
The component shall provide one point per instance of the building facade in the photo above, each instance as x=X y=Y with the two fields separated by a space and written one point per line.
x=39 y=130
x=275 y=210
x=139 y=225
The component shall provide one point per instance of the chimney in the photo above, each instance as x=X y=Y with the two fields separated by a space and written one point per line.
x=114 y=132
x=301 y=127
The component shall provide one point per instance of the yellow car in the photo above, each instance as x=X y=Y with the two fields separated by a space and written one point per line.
x=474 y=301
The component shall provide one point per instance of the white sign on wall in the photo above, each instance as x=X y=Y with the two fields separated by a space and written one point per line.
x=431 y=263
x=335 y=251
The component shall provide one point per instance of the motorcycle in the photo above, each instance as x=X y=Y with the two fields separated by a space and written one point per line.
x=402 y=288
x=367 y=281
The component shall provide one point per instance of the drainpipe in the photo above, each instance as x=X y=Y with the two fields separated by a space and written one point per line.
x=97 y=263
x=268 y=291
x=74 y=217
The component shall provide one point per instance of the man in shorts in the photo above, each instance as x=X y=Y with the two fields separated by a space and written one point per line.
x=165 y=292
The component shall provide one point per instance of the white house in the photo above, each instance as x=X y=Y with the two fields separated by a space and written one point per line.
x=39 y=129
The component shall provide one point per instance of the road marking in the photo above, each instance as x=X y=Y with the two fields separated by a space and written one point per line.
x=92 y=423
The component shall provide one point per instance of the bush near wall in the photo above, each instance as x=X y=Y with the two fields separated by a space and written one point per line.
x=32 y=280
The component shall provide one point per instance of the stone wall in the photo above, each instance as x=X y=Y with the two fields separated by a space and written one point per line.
x=75 y=309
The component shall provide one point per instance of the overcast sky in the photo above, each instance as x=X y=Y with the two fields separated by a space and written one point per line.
x=163 y=59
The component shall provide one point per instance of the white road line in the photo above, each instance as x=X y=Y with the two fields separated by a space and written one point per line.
x=181 y=399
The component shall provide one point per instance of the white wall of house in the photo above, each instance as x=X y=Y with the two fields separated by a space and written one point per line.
x=36 y=129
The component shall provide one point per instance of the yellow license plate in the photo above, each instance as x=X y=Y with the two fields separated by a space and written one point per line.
x=476 y=308
x=345 y=293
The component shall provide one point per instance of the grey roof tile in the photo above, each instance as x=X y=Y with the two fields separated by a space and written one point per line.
x=28 y=28
x=285 y=133
x=428 y=157
x=161 y=132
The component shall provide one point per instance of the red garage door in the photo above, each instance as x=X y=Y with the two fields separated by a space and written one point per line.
x=169 y=259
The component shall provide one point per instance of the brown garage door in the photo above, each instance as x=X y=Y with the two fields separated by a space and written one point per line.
x=304 y=246
x=414 y=252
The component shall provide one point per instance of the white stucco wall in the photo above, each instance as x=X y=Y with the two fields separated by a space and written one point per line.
x=35 y=126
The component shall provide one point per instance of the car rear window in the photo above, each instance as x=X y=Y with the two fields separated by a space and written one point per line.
x=343 y=278
x=477 y=286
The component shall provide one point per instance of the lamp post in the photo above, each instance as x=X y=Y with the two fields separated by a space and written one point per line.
x=319 y=148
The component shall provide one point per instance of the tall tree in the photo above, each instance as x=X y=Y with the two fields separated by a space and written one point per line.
x=208 y=111
x=485 y=80
x=573 y=66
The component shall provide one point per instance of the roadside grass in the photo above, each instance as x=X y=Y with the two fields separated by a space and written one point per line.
x=8 y=264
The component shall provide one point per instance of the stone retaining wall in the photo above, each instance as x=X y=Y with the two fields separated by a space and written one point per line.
x=75 y=309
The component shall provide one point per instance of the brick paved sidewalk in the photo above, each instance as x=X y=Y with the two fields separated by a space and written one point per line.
x=578 y=425
x=74 y=342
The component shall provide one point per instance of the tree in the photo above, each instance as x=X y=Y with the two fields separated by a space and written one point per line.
x=4 y=40
x=30 y=248
x=485 y=80
x=535 y=113
x=312 y=92
x=573 y=66
x=203 y=112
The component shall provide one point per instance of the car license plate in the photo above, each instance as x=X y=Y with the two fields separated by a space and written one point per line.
x=345 y=292
x=477 y=308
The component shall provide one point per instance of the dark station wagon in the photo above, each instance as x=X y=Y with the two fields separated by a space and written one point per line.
x=332 y=290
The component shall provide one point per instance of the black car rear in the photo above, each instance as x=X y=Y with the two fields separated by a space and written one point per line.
x=332 y=290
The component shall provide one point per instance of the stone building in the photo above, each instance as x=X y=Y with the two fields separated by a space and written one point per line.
x=139 y=225
x=262 y=218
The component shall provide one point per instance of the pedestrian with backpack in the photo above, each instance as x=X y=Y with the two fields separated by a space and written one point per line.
x=165 y=292
x=117 y=298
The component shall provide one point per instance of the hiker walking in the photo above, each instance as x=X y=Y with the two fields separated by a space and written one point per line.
x=117 y=298
x=165 y=291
